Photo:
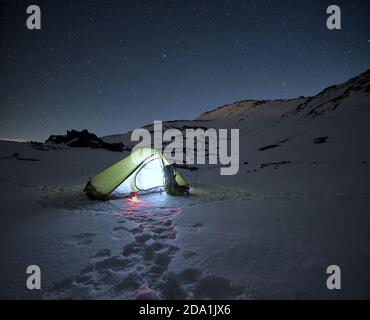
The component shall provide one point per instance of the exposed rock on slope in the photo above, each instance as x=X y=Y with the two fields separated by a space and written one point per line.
x=84 y=138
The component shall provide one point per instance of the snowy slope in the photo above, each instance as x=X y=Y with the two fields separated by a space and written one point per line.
x=293 y=124
x=299 y=203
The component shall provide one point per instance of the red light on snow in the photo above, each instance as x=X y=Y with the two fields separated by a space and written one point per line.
x=133 y=196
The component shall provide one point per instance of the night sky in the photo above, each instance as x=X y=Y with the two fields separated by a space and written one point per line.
x=111 y=66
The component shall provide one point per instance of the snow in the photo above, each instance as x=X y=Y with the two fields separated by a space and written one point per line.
x=275 y=248
x=269 y=232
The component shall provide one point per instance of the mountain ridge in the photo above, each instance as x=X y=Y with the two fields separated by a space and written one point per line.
x=360 y=81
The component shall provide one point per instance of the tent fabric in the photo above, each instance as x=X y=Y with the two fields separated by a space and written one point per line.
x=103 y=184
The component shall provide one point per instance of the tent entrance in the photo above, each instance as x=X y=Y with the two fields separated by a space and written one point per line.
x=150 y=175
x=147 y=177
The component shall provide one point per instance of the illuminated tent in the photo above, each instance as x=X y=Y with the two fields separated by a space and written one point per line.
x=144 y=170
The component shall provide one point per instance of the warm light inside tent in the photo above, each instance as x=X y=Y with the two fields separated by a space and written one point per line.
x=150 y=175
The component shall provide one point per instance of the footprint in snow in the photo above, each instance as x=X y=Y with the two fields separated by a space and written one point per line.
x=143 y=261
x=118 y=233
x=84 y=243
x=102 y=253
x=83 y=239
x=189 y=254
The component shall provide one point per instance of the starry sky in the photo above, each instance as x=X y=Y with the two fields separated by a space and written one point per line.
x=112 y=66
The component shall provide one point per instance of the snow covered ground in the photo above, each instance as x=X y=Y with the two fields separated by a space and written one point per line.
x=299 y=203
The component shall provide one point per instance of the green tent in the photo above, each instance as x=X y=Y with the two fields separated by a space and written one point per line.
x=141 y=171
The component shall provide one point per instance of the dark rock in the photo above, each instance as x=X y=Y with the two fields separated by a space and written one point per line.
x=84 y=139
x=320 y=140
x=271 y=146
x=275 y=164
x=35 y=143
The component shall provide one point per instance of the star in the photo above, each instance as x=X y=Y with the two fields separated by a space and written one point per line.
x=164 y=56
